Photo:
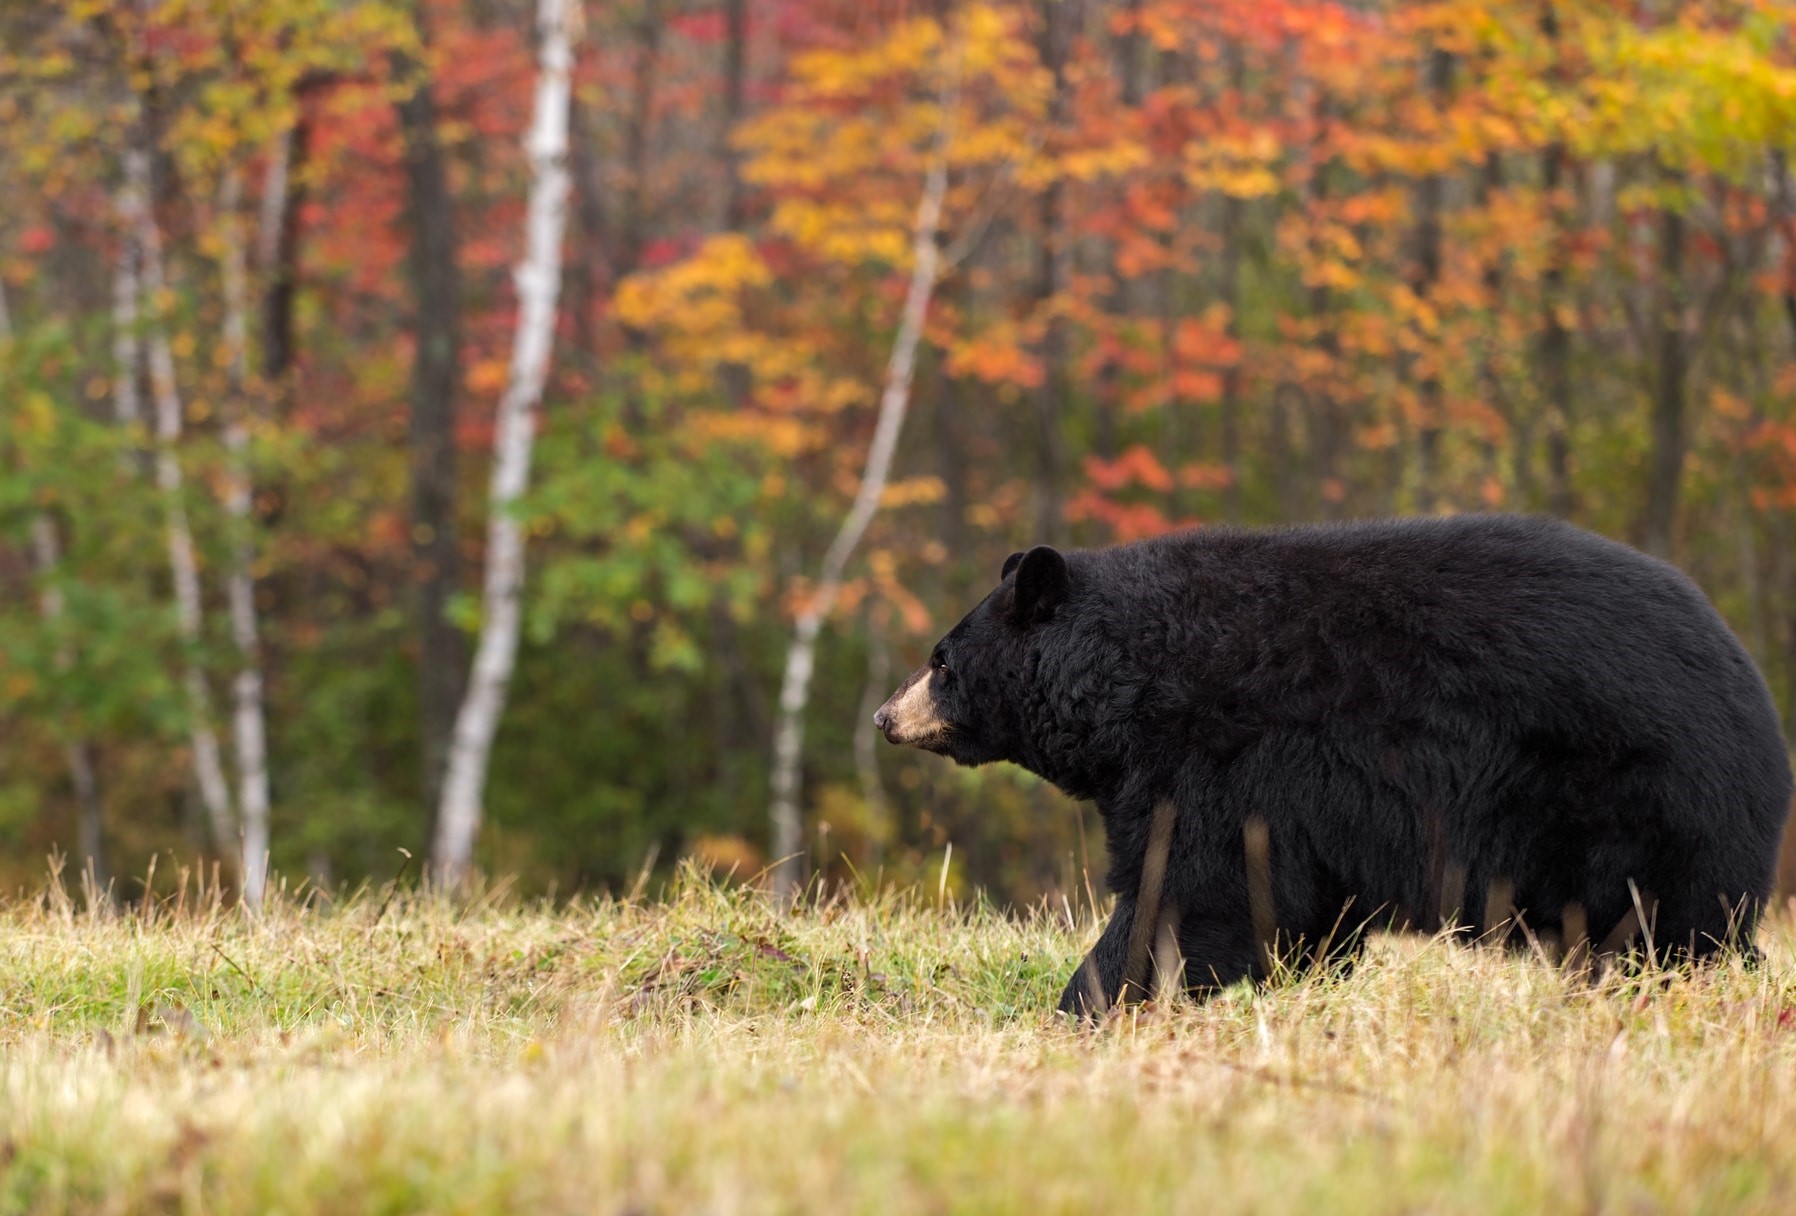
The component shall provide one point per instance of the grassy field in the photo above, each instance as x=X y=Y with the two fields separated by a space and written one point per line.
x=710 y=1054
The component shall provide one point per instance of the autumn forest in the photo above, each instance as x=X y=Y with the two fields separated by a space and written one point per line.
x=530 y=437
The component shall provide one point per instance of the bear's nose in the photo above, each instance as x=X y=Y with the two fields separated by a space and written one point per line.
x=880 y=718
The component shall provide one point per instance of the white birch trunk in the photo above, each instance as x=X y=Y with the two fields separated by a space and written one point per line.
x=127 y=348
x=538 y=279
x=894 y=401
x=208 y=764
x=248 y=722
x=46 y=551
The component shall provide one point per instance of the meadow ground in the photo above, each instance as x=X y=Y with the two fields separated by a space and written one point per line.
x=708 y=1053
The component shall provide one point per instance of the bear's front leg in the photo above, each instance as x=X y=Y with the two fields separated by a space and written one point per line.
x=1214 y=952
x=1096 y=984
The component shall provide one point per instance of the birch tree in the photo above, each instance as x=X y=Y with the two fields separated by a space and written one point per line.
x=248 y=727
x=538 y=279
x=208 y=763
x=894 y=401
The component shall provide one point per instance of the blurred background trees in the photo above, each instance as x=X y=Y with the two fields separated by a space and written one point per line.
x=1201 y=261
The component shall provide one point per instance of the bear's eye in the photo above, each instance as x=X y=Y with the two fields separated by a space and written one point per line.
x=937 y=663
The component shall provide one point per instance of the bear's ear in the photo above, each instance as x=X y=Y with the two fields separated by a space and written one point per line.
x=1041 y=583
x=1010 y=564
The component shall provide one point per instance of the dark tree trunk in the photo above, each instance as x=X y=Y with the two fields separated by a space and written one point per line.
x=281 y=263
x=1426 y=273
x=951 y=441
x=737 y=382
x=1049 y=278
x=1555 y=339
x=82 y=769
x=1122 y=301
x=436 y=291
x=735 y=80
x=1234 y=212
x=1325 y=424
x=587 y=269
x=634 y=228
x=1490 y=372
x=1669 y=429
x=1234 y=217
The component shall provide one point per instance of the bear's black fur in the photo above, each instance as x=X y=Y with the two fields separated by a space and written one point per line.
x=1426 y=716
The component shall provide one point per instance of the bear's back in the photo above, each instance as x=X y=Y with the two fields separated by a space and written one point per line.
x=1549 y=627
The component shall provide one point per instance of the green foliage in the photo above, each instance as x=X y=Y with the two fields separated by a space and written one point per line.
x=645 y=528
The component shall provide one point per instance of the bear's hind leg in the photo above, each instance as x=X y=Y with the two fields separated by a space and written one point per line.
x=1219 y=951
x=1700 y=922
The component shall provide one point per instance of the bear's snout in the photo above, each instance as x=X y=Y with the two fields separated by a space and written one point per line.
x=909 y=715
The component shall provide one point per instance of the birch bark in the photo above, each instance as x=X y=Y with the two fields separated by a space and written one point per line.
x=538 y=279
x=787 y=826
x=208 y=763
x=248 y=720
x=127 y=344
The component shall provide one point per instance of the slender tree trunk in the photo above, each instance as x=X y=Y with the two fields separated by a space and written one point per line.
x=1234 y=235
x=127 y=344
x=736 y=378
x=1555 y=363
x=436 y=293
x=735 y=101
x=538 y=279
x=1669 y=429
x=637 y=130
x=795 y=687
x=633 y=224
x=1325 y=424
x=1555 y=338
x=277 y=251
x=866 y=741
x=1490 y=363
x=46 y=551
x=1050 y=275
x=1232 y=209
x=1121 y=301
x=951 y=438
x=208 y=763
x=586 y=270
x=248 y=722
x=1426 y=272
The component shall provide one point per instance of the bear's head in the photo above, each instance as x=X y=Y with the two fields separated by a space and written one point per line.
x=968 y=702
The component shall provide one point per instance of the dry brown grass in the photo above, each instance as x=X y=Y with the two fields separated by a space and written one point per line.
x=708 y=1053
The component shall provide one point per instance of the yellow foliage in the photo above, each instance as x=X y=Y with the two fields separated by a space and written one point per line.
x=913 y=491
x=697 y=295
x=37 y=415
x=784 y=436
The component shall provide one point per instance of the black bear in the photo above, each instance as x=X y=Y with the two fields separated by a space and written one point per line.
x=1504 y=721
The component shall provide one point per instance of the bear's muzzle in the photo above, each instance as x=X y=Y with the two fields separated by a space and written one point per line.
x=909 y=715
